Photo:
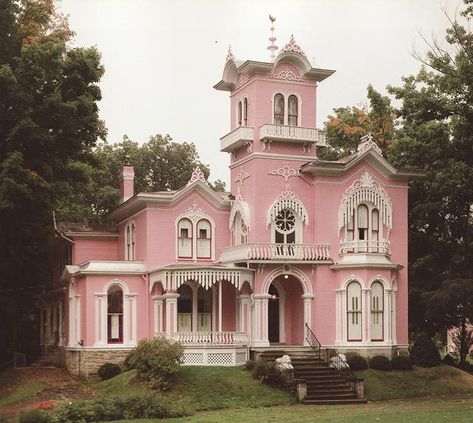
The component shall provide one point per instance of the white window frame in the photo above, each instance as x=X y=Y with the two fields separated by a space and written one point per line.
x=195 y=217
x=286 y=95
x=130 y=241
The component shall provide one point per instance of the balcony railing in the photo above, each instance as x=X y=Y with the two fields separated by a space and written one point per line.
x=243 y=135
x=296 y=134
x=286 y=252
x=381 y=247
x=211 y=338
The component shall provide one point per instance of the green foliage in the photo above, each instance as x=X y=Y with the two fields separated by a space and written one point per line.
x=157 y=361
x=35 y=416
x=267 y=372
x=127 y=363
x=143 y=406
x=449 y=360
x=356 y=361
x=249 y=365
x=108 y=370
x=401 y=362
x=424 y=353
x=380 y=362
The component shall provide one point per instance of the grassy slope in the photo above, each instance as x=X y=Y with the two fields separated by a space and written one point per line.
x=206 y=388
x=421 y=382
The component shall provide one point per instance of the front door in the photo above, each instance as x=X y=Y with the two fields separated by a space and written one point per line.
x=273 y=315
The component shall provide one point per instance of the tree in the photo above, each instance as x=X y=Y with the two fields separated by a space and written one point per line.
x=48 y=122
x=436 y=135
x=349 y=124
x=160 y=165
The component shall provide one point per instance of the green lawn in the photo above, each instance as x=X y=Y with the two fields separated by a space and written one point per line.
x=206 y=388
x=420 y=382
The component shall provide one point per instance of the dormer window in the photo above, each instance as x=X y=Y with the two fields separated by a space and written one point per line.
x=279 y=109
x=293 y=114
x=194 y=238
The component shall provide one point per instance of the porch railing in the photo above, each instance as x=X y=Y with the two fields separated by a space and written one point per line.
x=211 y=338
x=372 y=246
x=312 y=340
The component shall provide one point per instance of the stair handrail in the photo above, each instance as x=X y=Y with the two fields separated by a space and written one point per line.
x=14 y=360
x=312 y=340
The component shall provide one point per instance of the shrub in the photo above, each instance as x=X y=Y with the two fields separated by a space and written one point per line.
x=249 y=365
x=401 y=362
x=449 y=360
x=35 y=416
x=157 y=361
x=356 y=361
x=380 y=362
x=267 y=372
x=108 y=370
x=466 y=366
x=424 y=353
x=128 y=363
x=143 y=406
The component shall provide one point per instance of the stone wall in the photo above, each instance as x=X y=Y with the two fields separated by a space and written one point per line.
x=82 y=362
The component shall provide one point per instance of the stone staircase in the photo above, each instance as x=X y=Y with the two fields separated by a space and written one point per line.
x=324 y=383
x=47 y=359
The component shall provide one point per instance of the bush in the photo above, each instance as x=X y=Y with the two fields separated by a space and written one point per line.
x=35 y=416
x=380 y=362
x=249 y=365
x=108 y=370
x=401 y=362
x=466 y=366
x=142 y=406
x=356 y=361
x=127 y=364
x=424 y=353
x=157 y=361
x=449 y=360
x=267 y=372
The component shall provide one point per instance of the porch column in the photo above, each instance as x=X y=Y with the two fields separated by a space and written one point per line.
x=171 y=313
x=393 y=316
x=158 y=301
x=366 y=315
x=387 y=316
x=195 y=306
x=129 y=320
x=245 y=315
x=220 y=306
x=260 y=323
x=338 y=316
x=307 y=298
x=61 y=323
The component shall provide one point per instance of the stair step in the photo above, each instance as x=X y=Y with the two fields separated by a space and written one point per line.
x=335 y=401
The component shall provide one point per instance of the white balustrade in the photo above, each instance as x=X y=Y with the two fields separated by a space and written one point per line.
x=365 y=246
x=240 y=136
x=287 y=252
x=292 y=134
x=211 y=338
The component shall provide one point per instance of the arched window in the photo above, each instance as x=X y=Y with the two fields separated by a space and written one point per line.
x=279 y=109
x=204 y=310
x=115 y=314
x=240 y=113
x=377 y=311
x=245 y=111
x=204 y=239
x=184 y=234
x=293 y=110
x=130 y=236
x=240 y=230
x=375 y=225
x=354 y=312
x=285 y=227
x=362 y=222
x=184 y=309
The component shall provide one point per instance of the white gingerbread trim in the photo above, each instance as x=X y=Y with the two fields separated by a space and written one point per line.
x=197 y=176
x=288 y=199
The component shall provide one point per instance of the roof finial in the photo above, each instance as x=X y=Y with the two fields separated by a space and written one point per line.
x=272 y=47
x=230 y=55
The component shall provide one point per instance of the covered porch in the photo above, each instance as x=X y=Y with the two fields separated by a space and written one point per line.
x=207 y=309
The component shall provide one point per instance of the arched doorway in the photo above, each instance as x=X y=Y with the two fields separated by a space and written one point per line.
x=273 y=315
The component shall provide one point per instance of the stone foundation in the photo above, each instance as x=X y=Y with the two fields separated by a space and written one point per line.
x=86 y=362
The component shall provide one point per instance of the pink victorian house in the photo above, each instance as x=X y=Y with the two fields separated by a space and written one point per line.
x=298 y=244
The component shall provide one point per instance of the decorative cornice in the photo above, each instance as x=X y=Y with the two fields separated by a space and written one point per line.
x=287 y=74
x=367 y=143
x=286 y=172
x=292 y=46
x=288 y=194
x=197 y=175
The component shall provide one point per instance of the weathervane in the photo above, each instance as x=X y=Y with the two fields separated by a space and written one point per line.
x=272 y=47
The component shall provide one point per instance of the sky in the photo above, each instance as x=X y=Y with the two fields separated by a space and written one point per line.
x=162 y=57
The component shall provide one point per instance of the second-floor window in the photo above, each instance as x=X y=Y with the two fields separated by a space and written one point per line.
x=184 y=238
x=240 y=230
x=245 y=111
x=285 y=227
x=240 y=113
x=286 y=110
x=363 y=228
x=204 y=239
x=292 y=112
x=194 y=238
x=130 y=240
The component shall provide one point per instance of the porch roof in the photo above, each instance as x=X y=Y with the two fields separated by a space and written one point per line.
x=173 y=276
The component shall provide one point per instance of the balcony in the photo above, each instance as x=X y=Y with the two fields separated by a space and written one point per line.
x=276 y=252
x=293 y=134
x=380 y=247
x=239 y=137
